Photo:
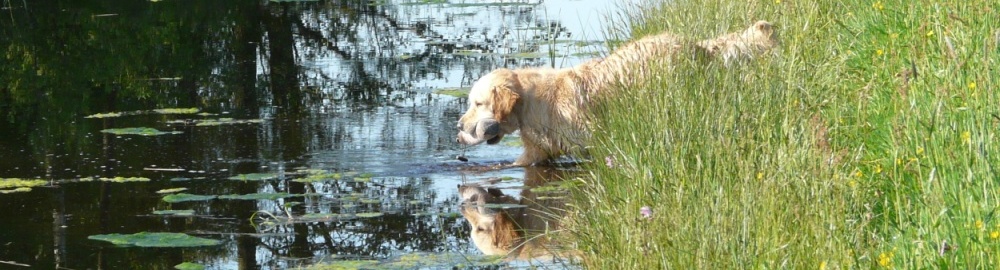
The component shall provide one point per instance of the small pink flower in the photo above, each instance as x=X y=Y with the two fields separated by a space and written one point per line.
x=646 y=212
x=609 y=161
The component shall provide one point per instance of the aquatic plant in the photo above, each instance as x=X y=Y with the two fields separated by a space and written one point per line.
x=171 y=190
x=184 y=197
x=155 y=239
x=174 y=212
x=189 y=266
x=142 y=131
x=255 y=177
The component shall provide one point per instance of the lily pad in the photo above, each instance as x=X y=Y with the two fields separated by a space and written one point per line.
x=156 y=111
x=319 y=216
x=19 y=183
x=370 y=201
x=142 y=131
x=255 y=177
x=177 y=111
x=119 y=179
x=184 y=197
x=368 y=215
x=174 y=212
x=319 y=177
x=455 y=92
x=155 y=239
x=16 y=190
x=258 y=196
x=171 y=190
x=189 y=266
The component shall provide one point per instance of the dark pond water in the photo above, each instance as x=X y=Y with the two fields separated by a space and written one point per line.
x=345 y=94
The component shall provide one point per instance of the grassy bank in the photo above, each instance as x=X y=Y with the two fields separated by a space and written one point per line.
x=869 y=140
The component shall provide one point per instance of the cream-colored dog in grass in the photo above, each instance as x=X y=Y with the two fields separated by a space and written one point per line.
x=548 y=105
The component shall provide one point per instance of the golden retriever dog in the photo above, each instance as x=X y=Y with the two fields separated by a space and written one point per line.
x=518 y=233
x=548 y=105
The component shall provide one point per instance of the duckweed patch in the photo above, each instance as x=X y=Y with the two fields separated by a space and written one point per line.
x=255 y=177
x=141 y=131
x=155 y=239
x=184 y=197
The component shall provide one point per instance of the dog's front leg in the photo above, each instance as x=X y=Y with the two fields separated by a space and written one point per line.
x=531 y=156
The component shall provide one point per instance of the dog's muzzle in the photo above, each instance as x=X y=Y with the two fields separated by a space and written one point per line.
x=485 y=130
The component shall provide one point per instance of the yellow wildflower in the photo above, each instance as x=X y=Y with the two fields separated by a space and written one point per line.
x=777 y=2
x=967 y=137
x=972 y=85
x=878 y=5
x=878 y=168
x=979 y=224
x=879 y=52
x=920 y=150
x=760 y=175
x=930 y=33
x=885 y=259
x=994 y=235
x=858 y=174
x=822 y=265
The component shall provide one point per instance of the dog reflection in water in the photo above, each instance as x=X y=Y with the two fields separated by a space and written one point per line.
x=518 y=232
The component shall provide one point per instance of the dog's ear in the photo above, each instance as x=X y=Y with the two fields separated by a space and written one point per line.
x=503 y=96
x=505 y=232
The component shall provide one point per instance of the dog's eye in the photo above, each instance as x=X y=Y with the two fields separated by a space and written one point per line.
x=479 y=104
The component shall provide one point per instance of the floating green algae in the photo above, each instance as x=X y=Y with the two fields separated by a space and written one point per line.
x=189 y=266
x=258 y=196
x=174 y=212
x=171 y=190
x=142 y=131
x=184 y=197
x=255 y=177
x=155 y=239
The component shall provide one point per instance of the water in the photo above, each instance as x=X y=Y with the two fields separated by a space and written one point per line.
x=347 y=87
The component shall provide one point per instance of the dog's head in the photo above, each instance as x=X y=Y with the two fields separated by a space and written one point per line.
x=494 y=232
x=492 y=102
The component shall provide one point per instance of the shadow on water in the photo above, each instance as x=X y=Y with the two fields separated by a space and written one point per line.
x=327 y=114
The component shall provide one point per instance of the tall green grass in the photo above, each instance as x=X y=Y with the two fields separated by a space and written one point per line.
x=868 y=140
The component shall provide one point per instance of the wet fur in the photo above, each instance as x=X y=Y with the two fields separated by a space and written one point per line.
x=548 y=105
